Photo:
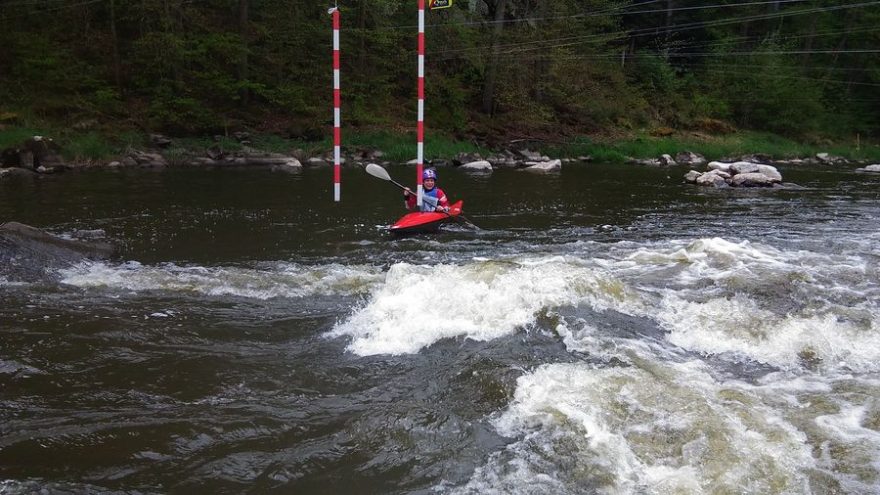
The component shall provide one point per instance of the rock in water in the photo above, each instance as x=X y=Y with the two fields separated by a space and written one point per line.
x=28 y=254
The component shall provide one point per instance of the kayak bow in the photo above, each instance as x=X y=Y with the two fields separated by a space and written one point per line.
x=423 y=222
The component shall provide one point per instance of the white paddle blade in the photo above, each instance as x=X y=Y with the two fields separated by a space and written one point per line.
x=377 y=171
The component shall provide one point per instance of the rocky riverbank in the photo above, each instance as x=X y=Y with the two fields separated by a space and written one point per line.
x=40 y=155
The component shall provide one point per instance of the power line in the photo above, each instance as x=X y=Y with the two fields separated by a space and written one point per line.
x=735 y=54
x=612 y=36
x=721 y=22
x=737 y=41
x=620 y=10
x=626 y=12
x=707 y=65
x=510 y=21
x=741 y=40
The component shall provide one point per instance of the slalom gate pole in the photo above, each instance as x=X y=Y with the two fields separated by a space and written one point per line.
x=337 y=114
x=420 y=126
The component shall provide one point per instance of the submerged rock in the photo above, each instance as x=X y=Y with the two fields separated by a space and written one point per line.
x=28 y=254
x=16 y=172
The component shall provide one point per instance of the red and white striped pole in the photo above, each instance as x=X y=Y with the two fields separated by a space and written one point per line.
x=337 y=114
x=420 y=129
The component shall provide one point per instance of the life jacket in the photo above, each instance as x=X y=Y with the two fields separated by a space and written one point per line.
x=434 y=193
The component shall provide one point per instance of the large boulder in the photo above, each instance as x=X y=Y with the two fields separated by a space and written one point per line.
x=33 y=153
x=317 y=161
x=744 y=168
x=770 y=171
x=692 y=176
x=713 y=178
x=736 y=174
x=266 y=159
x=690 y=159
x=479 y=166
x=870 y=168
x=719 y=166
x=462 y=158
x=544 y=167
x=829 y=159
x=755 y=179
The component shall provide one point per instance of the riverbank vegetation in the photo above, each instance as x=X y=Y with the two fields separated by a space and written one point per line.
x=94 y=147
x=612 y=78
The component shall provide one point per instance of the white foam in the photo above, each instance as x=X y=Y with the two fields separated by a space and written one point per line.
x=847 y=425
x=739 y=325
x=419 y=305
x=713 y=250
x=849 y=443
x=4 y=282
x=726 y=264
x=717 y=265
x=651 y=428
x=281 y=280
x=788 y=308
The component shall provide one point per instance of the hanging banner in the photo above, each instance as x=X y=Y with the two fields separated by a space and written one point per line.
x=439 y=4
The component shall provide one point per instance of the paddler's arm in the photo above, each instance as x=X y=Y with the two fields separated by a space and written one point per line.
x=409 y=198
x=443 y=202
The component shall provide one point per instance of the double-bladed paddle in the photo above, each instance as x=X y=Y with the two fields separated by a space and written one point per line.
x=381 y=173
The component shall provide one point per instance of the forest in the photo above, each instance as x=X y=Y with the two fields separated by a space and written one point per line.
x=805 y=69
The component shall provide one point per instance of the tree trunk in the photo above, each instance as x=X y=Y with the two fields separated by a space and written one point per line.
x=847 y=25
x=362 y=26
x=774 y=8
x=168 y=26
x=542 y=65
x=808 y=42
x=117 y=71
x=492 y=64
x=244 y=93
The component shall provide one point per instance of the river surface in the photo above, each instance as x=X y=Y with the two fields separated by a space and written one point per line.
x=607 y=330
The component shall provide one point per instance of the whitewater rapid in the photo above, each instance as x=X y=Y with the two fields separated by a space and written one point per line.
x=696 y=366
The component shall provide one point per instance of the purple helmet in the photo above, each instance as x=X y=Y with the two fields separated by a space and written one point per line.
x=429 y=174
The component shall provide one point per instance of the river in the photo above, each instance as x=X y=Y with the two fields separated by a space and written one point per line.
x=608 y=330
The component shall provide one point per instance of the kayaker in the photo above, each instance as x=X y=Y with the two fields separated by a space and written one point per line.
x=430 y=189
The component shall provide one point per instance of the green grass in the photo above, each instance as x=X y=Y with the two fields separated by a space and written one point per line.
x=14 y=137
x=130 y=140
x=76 y=146
x=713 y=149
x=89 y=146
x=395 y=147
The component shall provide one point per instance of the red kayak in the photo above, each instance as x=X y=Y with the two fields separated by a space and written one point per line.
x=422 y=222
